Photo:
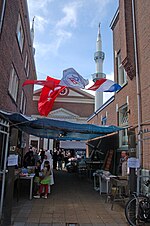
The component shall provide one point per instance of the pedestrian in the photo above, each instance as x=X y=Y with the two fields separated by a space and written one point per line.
x=55 y=159
x=42 y=154
x=37 y=179
x=29 y=159
x=45 y=181
x=59 y=158
x=123 y=168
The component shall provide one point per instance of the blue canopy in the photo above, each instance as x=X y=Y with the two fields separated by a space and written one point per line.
x=56 y=129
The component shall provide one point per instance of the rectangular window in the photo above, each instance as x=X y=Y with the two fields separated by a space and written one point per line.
x=13 y=84
x=20 y=34
x=122 y=75
x=2 y=10
x=28 y=69
x=104 y=120
x=23 y=102
x=26 y=66
x=26 y=62
x=123 y=122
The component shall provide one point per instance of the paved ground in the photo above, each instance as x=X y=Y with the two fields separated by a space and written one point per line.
x=72 y=200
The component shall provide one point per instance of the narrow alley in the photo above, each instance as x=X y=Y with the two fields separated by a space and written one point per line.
x=72 y=201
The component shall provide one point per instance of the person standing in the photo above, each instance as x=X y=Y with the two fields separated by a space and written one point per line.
x=123 y=163
x=45 y=181
x=42 y=154
x=48 y=157
x=55 y=159
x=37 y=171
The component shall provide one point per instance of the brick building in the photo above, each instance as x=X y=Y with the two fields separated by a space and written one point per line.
x=16 y=63
x=130 y=107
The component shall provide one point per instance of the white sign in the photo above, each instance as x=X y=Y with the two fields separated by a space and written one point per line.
x=12 y=160
x=133 y=163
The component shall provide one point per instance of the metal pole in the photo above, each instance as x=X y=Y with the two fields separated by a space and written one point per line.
x=4 y=174
x=138 y=96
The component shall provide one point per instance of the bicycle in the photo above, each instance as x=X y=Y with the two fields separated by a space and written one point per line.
x=137 y=209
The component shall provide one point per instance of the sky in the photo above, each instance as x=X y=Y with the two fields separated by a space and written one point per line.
x=65 y=33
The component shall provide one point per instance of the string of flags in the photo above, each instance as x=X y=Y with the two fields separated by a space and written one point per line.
x=71 y=78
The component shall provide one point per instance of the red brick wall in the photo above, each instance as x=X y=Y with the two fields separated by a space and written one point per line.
x=10 y=54
x=123 y=41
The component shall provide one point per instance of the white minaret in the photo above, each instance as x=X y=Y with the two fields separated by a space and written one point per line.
x=32 y=34
x=99 y=58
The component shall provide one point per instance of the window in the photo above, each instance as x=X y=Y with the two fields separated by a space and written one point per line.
x=13 y=84
x=26 y=65
x=26 y=62
x=27 y=72
x=123 y=122
x=20 y=34
x=122 y=75
x=104 y=120
x=23 y=102
x=2 y=10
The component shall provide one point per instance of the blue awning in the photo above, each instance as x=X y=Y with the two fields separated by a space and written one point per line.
x=56 y=129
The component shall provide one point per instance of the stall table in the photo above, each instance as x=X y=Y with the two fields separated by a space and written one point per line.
x=28 y=177
x=118 y=188
x=103 y=182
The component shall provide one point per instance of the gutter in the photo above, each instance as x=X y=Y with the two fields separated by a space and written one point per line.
x=138 y=96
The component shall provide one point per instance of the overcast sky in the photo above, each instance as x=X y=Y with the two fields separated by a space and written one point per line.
x=66 y=33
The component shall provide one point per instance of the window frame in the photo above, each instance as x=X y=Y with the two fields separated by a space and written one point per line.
x=23 y=102
x=27 y=65
x=123 y=122
x=2 y=12
x=121 y=73
x=20 y=33
x=13 y=83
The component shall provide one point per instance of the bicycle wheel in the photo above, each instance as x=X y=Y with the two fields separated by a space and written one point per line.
x=134 y=212
x=131 y=211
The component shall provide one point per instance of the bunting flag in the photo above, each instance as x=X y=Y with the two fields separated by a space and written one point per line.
x=48 y=97
x=48 y=83
x=105 y=85
x=72 y=79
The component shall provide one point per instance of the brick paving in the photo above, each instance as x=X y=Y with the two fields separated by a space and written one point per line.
x=72 y=200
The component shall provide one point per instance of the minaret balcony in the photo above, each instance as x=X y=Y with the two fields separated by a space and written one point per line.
x=99 y=55
x=97 y=76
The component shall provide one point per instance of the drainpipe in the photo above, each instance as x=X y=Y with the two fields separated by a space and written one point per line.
x=4 y=173
x=2 y=14
x=138 y=96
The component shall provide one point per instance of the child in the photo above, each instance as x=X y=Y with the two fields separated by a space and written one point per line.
x=45 y=181
x=37 y=177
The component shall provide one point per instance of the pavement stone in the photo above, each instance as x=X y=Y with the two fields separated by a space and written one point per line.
x=72 y=200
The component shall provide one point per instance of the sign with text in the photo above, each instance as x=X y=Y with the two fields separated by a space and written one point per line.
x=133 y=163
x=12 y=160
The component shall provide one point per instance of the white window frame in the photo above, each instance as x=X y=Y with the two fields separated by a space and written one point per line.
x=13 y=83
x=28 y=69
x=122 y=75
x=123 y=122
x=23 y=102
x=26 y=65
x=20 y=33
x=2 y=11
x=104 y=120
x=26 y=61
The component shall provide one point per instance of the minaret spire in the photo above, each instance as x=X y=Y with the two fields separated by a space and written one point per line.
x=32 y=30
x=99 y=33
x=32 y=34
x=99 y=40
x=99 y=58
